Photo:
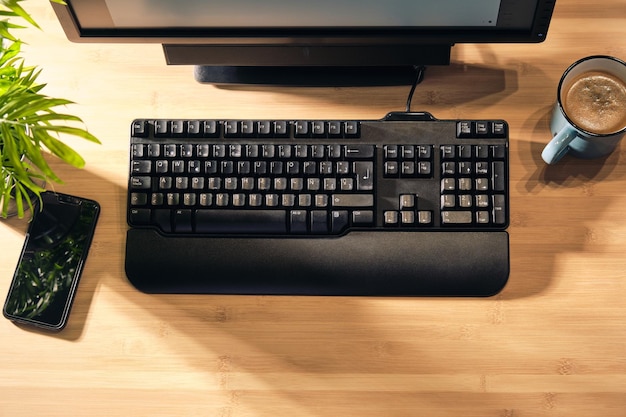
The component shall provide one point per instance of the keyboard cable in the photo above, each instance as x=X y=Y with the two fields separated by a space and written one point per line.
x=419 y=77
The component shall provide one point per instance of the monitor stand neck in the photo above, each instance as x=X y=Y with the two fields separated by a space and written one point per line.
x=307 y=65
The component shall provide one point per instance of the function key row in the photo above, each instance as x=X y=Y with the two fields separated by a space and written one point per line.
x=161 y=128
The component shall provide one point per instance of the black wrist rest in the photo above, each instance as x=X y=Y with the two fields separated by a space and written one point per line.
x=357 y=264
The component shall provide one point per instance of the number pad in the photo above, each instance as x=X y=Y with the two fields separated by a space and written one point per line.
x=473 y=185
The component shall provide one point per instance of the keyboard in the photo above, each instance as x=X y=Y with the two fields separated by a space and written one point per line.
x=408 y=205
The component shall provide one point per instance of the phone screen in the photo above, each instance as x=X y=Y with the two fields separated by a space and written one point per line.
x=52 y=259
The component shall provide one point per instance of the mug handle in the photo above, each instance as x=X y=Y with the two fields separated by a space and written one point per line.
x=559 y=145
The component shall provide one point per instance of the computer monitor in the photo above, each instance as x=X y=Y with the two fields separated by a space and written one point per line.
x=308 y=42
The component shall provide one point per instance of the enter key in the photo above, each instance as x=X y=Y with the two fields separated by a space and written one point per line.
x=364 y=175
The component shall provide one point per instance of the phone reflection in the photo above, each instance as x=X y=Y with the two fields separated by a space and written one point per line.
x=47 y=274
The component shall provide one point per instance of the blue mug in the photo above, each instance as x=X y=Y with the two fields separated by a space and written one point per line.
x=573 y=137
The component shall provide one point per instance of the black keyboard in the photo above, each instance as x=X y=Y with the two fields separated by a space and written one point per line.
x=407 y=205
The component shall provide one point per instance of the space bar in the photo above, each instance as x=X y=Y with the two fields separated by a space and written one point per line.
x=241 y=221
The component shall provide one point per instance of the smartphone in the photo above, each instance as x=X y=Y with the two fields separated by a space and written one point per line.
x=52 y=260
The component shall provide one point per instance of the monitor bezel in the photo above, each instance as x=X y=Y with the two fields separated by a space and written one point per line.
x=535 y=33
x=325 y=56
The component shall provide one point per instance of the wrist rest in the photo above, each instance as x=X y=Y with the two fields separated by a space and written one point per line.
x=358 y=264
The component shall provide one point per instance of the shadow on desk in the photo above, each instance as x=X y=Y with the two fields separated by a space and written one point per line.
x=107 y=245
x=554 y=207
x=452 y=85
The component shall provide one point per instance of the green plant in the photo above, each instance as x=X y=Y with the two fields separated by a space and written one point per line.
x=30 y=128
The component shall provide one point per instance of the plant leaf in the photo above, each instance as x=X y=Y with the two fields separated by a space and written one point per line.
x=18 y=11
x=60 y=149
x=29 y=124
x=75 y=131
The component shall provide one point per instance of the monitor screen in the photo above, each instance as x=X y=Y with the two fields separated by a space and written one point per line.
x=299 y=13
x=353 y=34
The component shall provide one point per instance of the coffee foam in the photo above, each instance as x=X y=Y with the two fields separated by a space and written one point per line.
x=596 y=102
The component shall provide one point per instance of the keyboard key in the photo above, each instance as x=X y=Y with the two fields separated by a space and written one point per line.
x=499 y=151
x=318 y=128
x=424 y=151
x=182 y=221
x=352 y=200
x=264 y=128
x=498 y=178
x=141 y=167
x=138 y=150
x=347 y=184
x=178 y=128
x=407 y=152
x=333 y=151
x=448 y=152
x=157 y=199
x=247 y=128
x=339 y=221
x=319 y=222
x=161 y=128
x=138 y=199
x=141 y=183
x=139 y=216
x=241 y=221
x=298 y=221
x=352 y=129
x=139 y=129
x=499 y=209
x=482 y=128
x=407 y=201
x=482 y=217
x=424 y=168
x=363 y=217
x=464 y=129
x=281 y=128
x=391 y=218
x=335 y=129
x=193 y=128
x=498 y=130
x=407 y=217
x=359 y=151
x=391 y=169
x=302 y=128
x=464 y=151
x=231 y=129
x=364 y=175
x=163 y=219
x=210 y=129
x=424 y=217
x=391 y=151
x=456 y=217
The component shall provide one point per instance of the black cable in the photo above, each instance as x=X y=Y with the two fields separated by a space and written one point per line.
x=419 y=77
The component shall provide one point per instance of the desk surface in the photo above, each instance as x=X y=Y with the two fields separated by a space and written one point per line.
x=553 y=343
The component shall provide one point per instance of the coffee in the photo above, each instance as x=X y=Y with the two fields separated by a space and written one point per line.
x=596 y=102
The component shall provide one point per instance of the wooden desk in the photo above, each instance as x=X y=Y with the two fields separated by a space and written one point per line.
x=553 y=343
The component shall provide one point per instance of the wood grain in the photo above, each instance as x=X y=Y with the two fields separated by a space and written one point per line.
x=553 y=343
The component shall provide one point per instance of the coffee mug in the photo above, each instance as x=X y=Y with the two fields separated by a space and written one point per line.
x=589 y=117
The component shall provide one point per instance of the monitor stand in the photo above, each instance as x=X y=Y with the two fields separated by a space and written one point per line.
x=303 y=76
x=307 y=65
